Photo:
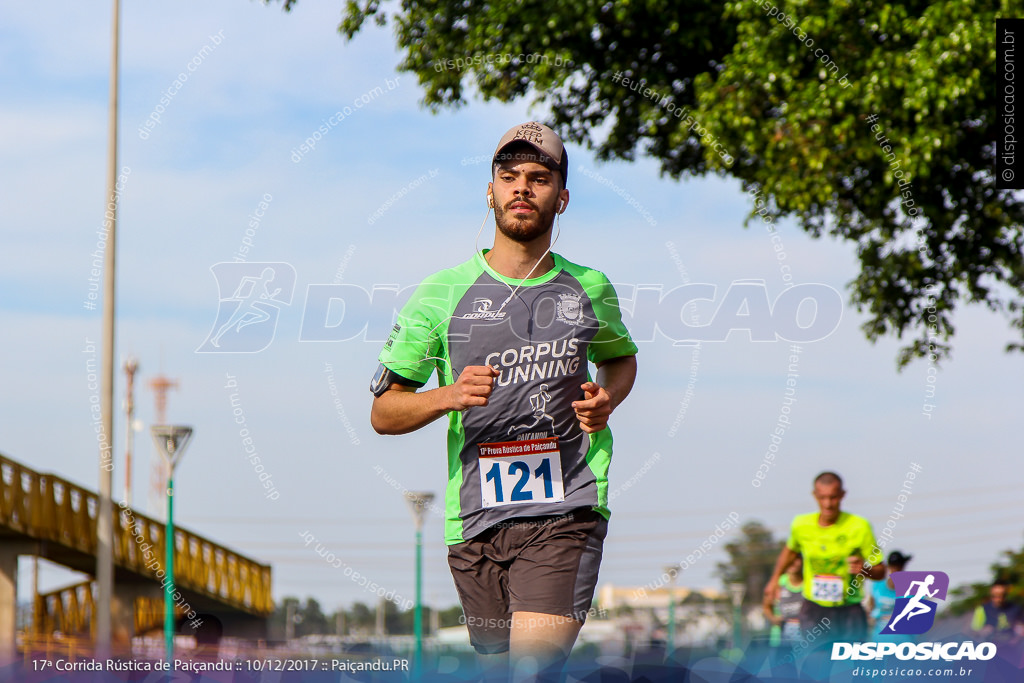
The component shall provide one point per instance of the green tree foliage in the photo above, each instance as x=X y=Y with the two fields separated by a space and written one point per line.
x=452 y=616
x=930 y=227
x=1009 y=569
x=307 y=619
x=360 y=619
x=313 y=619
x=751 y=560
x=276 y=622
x=397 y=621
x=775 y=93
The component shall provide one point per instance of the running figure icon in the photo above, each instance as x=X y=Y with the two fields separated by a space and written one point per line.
x=914 y=606
x=539 y=403
x=247 y=312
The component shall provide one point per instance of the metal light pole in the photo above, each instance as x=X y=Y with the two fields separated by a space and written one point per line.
x=418 y=501
x=736 y=592
x=131 y=366
x=670 y=640
x=105 y=505
x=171 y=441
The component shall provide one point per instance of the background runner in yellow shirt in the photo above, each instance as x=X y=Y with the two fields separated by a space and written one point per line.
x=839 y=552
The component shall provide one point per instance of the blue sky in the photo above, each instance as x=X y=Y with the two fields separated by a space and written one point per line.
x=225 y=140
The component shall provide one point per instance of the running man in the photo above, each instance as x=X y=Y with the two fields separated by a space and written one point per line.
x=248 y=311
x=914 y=606
x=996 y=617
x=784 y=614
x=839 y=551
x=509 y=334
x=783 y=637
x=539 y=403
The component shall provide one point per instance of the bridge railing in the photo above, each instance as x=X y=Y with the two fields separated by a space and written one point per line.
x=67 y=610
x=47 y=507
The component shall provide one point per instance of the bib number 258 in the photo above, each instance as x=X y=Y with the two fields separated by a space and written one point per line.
x=827 y=588
x=514 y=472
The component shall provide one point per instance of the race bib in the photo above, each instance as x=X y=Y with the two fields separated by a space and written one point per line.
x=826 y=588
x=516 y=472
x=791 y=630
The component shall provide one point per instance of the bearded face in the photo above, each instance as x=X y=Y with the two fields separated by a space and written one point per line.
x=526 y=195
x=523 y=219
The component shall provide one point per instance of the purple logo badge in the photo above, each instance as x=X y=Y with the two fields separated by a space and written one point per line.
x=914 y=612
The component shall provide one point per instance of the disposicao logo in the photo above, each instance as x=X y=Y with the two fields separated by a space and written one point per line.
x=914 y=613
x=251 y=297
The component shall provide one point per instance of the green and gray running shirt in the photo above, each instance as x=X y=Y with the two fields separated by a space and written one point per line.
x=523 y=454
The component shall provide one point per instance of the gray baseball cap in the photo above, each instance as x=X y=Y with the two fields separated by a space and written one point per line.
x=541 y=138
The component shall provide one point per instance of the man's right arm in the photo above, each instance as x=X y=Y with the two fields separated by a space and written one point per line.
x=401 y=409
x=771 y=591
x=770 y=615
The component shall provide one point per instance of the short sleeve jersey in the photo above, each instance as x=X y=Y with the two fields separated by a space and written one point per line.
x=523 y=454
x=827 y=579
x=883 y=598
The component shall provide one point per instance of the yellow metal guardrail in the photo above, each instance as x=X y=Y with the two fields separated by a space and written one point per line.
x=49 y=508
x=52 y=647
x=67 y=611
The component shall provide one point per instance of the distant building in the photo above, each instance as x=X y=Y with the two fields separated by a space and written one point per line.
x=610 y=597
x=703 y=615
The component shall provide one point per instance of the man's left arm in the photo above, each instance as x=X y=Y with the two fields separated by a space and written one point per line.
x=874 y=567
x=857 y=566
x=615 y=378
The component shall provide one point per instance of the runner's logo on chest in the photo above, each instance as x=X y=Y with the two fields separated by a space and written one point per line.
x=537 y=361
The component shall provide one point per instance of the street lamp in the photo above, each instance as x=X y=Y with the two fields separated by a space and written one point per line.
x=736 y=592
x=171 y=441
x=419 y=501
x=105 y=504
x=673 y=572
